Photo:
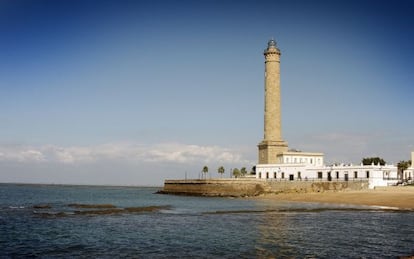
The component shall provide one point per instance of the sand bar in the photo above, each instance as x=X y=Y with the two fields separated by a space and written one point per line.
x=399 y=196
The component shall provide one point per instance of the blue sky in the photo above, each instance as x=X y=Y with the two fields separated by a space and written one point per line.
x=133 y=92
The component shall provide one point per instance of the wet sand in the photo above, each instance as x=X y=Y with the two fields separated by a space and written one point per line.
x=399 y=197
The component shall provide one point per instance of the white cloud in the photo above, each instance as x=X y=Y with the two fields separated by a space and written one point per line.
x=159 y=153
x=181 y=153
x=19 y=154
x=30 y=154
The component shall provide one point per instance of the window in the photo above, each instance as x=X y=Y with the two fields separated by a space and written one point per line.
x=311 y=160
x=355 y=174
x=283 y=175
x=337 y=175
x=274 y=175
x=267 y=175
x=260 y=175
x=295 y=160
x=319 y=175
x=367 y=174
x=299 y=176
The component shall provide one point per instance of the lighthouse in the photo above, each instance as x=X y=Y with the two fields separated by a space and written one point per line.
x=272 y=144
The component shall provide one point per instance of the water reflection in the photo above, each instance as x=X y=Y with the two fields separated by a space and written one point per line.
x=274 y=236
x=311 y=230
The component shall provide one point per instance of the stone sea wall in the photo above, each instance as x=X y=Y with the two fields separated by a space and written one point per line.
x=253 y=187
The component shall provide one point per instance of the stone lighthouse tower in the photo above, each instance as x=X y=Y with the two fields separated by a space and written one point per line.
x=272 y=144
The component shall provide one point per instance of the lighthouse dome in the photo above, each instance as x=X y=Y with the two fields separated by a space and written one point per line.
x=271 y=43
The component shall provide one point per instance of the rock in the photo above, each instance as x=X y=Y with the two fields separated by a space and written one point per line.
x=91 y=206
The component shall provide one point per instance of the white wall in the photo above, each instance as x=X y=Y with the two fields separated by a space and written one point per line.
x=301 y=158
x=376 y=175
x=412 y=159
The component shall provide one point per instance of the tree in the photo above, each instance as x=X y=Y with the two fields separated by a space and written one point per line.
x=243 y=171
x=221 y=170
x=253 y=171
x=403 y=165
x=205 y=170
x=375 y=160
x=236 y=172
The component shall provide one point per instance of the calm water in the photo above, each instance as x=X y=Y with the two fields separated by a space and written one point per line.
x=192 y=226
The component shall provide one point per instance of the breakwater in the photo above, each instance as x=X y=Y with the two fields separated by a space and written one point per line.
x=254 y=187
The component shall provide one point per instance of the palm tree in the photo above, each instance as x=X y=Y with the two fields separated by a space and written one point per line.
x=402 y=166
x=243 y=171
x=221 y=170
x=236 y=172
x=205 y=170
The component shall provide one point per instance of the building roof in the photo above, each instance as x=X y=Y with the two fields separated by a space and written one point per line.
x=300 y=153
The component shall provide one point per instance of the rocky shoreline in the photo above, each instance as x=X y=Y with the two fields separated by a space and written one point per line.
x=47 y=211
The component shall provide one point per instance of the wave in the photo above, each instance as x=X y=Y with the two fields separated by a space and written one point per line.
x=313 y=210
x=105 y=209
x=16 y=207
x=181 y=211
x=50 y=214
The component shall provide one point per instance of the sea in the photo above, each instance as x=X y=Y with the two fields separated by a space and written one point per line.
x=57 y=221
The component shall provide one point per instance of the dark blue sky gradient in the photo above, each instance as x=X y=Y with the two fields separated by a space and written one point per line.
x=80 y=73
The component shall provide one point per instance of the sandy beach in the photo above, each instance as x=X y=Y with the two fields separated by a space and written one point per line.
x=401 y=197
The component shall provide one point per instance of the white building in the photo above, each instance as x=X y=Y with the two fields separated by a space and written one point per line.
x=301 y=166
x=298 y=157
